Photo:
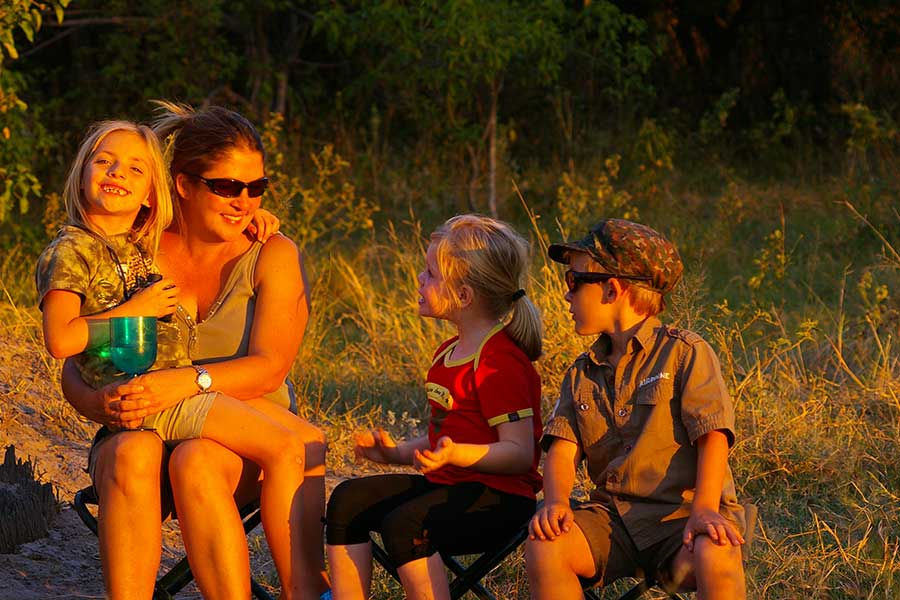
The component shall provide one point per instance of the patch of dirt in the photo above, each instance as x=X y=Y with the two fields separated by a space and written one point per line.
x=47 y=431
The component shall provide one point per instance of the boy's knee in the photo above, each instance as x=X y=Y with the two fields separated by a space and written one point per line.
x=542 y=555
x=716 y=562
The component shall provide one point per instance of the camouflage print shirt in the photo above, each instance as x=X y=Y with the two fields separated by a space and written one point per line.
x=79 y=262
x=637 y=426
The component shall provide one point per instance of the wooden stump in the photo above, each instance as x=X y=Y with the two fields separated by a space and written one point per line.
x=27 y=507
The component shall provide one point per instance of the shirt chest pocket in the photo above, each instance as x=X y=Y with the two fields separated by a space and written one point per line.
x=654 y=409
x=593 y=424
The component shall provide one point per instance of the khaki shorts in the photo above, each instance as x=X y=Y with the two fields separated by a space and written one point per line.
x=184 y=421
x=615 y=553
x=178 y=423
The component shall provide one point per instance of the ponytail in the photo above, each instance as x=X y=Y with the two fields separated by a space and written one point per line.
x=525 y=327
x=492 y=258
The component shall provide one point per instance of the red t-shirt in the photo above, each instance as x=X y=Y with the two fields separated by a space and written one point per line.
x=470 y=397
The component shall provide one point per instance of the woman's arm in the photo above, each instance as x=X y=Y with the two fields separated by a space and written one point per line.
x=279 y=321
x=511 y=454
x=105 y=406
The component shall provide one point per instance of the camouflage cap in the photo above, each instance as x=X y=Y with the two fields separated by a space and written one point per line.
x=628 y=249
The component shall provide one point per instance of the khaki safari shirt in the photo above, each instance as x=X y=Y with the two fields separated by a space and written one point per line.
x=637 y=426
x=79 y=262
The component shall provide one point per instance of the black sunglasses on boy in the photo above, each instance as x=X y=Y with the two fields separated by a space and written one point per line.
x=576 y=278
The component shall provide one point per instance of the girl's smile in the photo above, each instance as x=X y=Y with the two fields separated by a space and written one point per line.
x=116 y=181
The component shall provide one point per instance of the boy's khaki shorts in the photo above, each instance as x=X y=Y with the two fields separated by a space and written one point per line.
x=615 y=554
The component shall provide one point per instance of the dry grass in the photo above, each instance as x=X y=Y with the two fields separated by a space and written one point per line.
x=815 y=376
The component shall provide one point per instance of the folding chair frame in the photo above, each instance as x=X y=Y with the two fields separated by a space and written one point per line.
x=180 y=575
x=468 y=579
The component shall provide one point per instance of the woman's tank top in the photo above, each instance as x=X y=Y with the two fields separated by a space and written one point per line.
x=225 y=332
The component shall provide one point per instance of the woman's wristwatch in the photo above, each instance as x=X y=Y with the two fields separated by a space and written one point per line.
x=204 y=379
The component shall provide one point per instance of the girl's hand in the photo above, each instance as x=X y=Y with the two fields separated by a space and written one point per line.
x=376 y=445
x=427 y=461
x=118 y=411
x=263 y=225
x=156 y=300
x=709 y=522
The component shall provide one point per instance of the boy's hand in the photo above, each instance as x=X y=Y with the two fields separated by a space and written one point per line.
x=551 y=521
x=156 y=300
x=427 y=461
x=263 y=225
x=376 y=445
x=704 y=521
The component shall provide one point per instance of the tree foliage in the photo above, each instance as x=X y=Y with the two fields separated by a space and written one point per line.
x=472 y=91
x=20 y=136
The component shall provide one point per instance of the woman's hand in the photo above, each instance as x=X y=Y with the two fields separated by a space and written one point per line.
x=427 y=460
x=164 y=388
x=376 y=445
x=263 y=225
x=156 y=300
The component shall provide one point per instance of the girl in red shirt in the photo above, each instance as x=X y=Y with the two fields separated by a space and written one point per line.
x=478 y=464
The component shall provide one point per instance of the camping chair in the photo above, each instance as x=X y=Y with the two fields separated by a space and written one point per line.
x=468 y=579
x=180 y=575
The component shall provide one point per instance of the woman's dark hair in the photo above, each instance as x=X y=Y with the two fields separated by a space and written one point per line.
x=193 y=140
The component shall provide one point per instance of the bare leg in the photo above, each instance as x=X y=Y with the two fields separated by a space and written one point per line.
x=425 y=579
x=716 y=570
x=281 y=453
x=351 y=570
x=204 y=477
x=555 y=565
x=310 y=569
x=127 y=478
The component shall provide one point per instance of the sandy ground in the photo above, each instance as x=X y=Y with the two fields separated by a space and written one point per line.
x=42 y=427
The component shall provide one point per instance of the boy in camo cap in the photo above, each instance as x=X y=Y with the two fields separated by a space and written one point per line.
x=647 y=408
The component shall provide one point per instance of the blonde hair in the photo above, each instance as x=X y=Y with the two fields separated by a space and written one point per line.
x=644 y=302
x=150 y=222
x=491 y=258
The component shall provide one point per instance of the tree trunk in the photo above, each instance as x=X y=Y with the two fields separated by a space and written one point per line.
x=492 y=150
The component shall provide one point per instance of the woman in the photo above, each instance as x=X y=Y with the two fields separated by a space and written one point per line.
x=243 y=309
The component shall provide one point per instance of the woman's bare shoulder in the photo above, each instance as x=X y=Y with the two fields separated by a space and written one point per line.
x=279 y=246
x=280 y=256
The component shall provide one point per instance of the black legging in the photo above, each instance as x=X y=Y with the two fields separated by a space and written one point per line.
x=416 y=518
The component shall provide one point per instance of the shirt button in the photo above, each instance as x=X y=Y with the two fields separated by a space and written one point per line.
x=582 y=406
x=628 y=448
x=623 y=412
x=612 y=478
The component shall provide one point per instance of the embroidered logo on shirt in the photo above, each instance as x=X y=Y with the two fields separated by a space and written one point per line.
x=439 y=394
x=654 y=379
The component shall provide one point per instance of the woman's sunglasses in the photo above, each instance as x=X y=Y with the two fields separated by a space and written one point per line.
x=576 y=278
x=231 y=188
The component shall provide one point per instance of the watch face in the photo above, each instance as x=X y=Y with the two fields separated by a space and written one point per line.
x=204 y=380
